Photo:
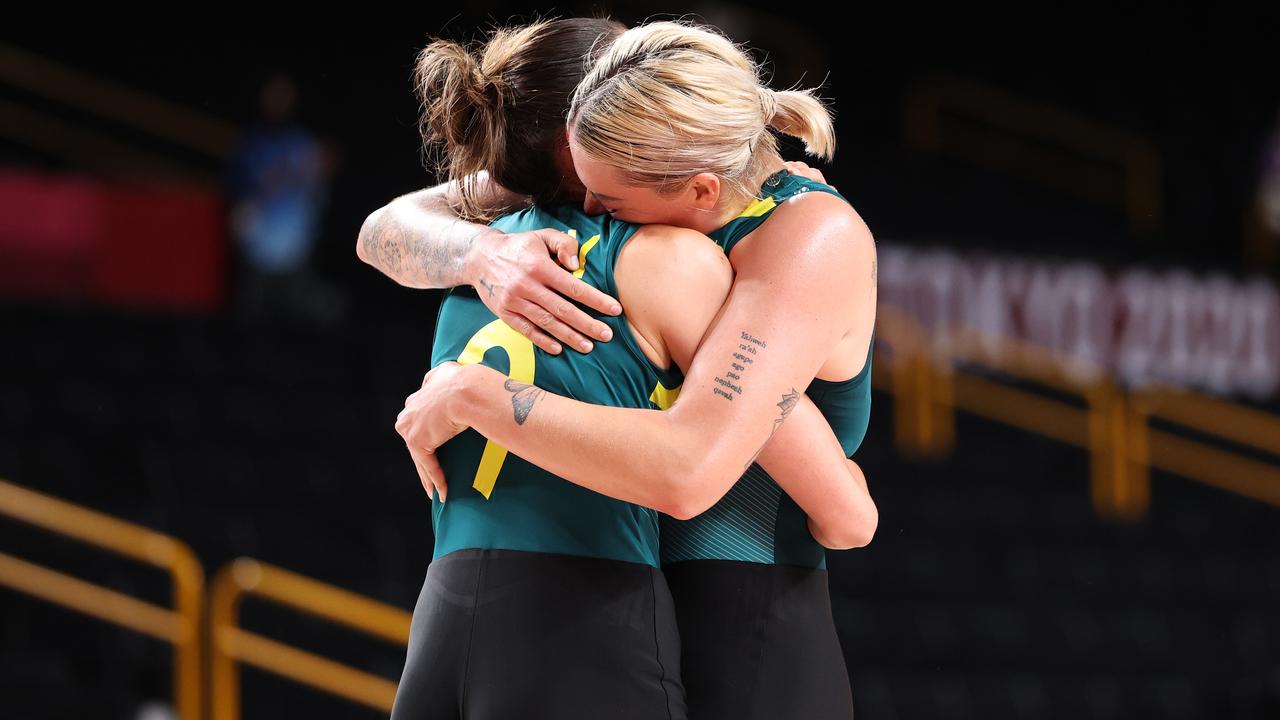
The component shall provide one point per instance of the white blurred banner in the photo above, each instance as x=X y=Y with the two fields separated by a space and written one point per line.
x=1210 y=332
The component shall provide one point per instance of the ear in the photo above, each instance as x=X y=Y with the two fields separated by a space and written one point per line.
x=704 y=190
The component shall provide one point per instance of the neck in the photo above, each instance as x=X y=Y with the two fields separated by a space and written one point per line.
x=733 y=205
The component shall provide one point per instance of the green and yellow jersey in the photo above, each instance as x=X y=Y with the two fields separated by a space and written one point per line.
x=497 y=500
x=756 y=521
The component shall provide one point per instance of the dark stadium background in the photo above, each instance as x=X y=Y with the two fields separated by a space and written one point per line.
x=992 y=589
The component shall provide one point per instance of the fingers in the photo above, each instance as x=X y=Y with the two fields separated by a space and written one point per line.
x=552 y=325
x=430 y=473
x=563 y=247
x=423 y=477
x=436 y=475
x=576 y=289
x=538 y=300
x=527 y=328
x=805 y=170
x=574 y=317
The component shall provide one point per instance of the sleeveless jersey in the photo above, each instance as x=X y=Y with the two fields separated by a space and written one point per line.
x=497 y=500
x=756 y=521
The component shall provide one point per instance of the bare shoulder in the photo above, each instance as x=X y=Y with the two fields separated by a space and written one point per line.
x=820 y=208
x=818 y=224
x=671 y=282
x=676 y=251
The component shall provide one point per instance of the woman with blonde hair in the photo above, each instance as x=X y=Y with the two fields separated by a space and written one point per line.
x=543 y=597
x=673 y=126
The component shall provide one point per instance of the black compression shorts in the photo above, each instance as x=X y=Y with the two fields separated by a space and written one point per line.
x=758 y=642
x=500 y=634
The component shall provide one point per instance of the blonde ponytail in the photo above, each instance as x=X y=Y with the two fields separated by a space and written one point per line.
x=669 y=100
x=800 y=114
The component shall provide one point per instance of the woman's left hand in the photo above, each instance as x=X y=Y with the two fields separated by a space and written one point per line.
x=425 y=424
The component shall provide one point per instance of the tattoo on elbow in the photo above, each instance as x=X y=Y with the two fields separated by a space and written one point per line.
x=384 y=242
x=523 y=397
x=785 y=406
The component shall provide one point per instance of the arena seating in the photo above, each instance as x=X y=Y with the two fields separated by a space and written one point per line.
x=991 y=590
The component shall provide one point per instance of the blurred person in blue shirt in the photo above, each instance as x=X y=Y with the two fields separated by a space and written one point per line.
x=278 y=184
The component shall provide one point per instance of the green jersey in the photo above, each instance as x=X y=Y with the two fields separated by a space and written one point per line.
x=756 y=521
x=498 y=500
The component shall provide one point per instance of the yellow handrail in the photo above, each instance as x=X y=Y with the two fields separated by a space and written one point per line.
x=180 y=625
x=1115 y=428
x=231 y=644
x=1052 y=130
x=1213 y=416
x=1119 y=486
x=929 y=390
x=1213 y=466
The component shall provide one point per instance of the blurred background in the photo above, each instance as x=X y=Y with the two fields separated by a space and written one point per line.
x=1075 y=445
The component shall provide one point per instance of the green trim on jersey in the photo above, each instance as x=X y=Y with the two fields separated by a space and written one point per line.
x=497 y=500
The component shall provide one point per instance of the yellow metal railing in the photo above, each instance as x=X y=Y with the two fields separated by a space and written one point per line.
x=928 y=389
x=232 y=645
x=1048 y=145
x=1208 y=464
x=1112 y=425
x=179 y=625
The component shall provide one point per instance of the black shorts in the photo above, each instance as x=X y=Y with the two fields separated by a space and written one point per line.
x=758 y=642
x=501 y=634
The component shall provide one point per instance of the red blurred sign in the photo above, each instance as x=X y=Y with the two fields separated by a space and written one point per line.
x=160 y=247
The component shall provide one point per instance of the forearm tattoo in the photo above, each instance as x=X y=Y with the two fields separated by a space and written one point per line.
x=384 y=243
x=785 y=406
x=729 y=385
x=415 y=258
x=523 y=397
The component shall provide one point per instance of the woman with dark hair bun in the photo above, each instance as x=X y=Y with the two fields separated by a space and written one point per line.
x=498 y=115
x=544 y=598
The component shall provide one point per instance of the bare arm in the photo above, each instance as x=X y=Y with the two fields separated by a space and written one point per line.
x=419 y=241
x=788 y=307
x=677 y=303
x=841 y=513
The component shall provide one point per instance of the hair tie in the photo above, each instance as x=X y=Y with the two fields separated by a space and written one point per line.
x=768 y=104
x=493 y=89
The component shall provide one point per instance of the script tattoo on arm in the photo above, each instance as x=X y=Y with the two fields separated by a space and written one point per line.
x=729 y=384
x=523 y=397
x=785 y=406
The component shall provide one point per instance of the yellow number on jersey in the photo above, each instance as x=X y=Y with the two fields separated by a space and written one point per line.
x=520 y=356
